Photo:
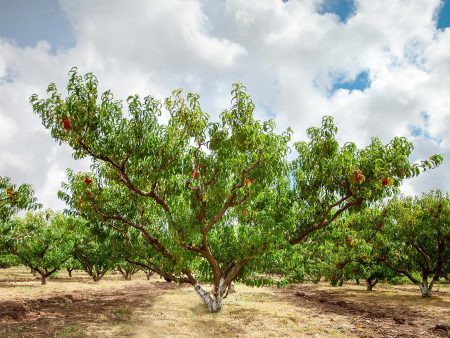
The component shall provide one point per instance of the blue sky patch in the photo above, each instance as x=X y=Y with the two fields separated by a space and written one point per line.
x=28 y=21
x=426 y=118
x=344 y=9
x=444 y=15
x=360 y=82
x=416 y=131
x=8 y=77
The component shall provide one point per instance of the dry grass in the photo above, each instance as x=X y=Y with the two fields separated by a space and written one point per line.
x=140 y=308
x=250 y=312
x=19 y=283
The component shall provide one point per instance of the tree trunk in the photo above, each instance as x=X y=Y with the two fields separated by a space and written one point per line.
x=70 y=272
x=231 y=289
x=43 y=279
x=96 y=278
x=214 y=301
x=371 y=282
x=425 y=288
x=126 y=274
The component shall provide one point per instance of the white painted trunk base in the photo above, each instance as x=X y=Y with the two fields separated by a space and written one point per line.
x=425 y=289
x=214 y=303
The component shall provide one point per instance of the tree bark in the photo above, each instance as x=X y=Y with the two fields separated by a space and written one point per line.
x=70 y=272
x=425 y=288
x=214 y=302
x=371 y=282
x=43 y=279
x=231 y=289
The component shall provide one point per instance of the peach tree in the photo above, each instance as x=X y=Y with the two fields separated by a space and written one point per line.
x=332 y=179
x=354 y=248
x=180 y=183
x=93 y=248
x=15 y=198
x=136 y=254
x=40 y=241
x=417 y=238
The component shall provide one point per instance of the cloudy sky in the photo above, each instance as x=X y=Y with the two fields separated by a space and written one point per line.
x=380 y=67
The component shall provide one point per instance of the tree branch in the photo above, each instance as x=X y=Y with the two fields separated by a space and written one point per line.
x=230 y=200
x=153 y=241
x=401 y=271
x=323 y=223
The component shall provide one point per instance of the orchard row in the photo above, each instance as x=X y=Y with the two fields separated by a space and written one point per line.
x=197 y=199
x=407 y=237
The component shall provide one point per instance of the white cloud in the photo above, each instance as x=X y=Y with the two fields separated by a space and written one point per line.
x=288 y=55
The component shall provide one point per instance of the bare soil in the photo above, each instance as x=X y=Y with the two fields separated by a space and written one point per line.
x=387 y=311
x=71 y=307
x=77 y=307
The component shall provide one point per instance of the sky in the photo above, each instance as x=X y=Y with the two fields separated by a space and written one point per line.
x=379 y=67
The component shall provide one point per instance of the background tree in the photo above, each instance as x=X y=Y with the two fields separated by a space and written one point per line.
x=72 y=264
x=303 y=263
x=330 y=179
x=417 y=238
x=15 y=198
x=127 y=270
x=122 y=245
x=356 y=255
x=94 y=249
x=136 y=251
x=40 y=241
x=7 y=260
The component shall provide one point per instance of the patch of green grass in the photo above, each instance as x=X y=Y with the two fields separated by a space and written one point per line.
x=121 y=314
x=10 y=332
x=71 y=331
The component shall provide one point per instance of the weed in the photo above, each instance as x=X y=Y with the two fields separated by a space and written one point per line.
x=10 y=332
x=121 y=314
x=71 y=331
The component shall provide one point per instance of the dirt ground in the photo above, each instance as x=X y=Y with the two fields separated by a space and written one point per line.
x=77 y=307
x=385 y=312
